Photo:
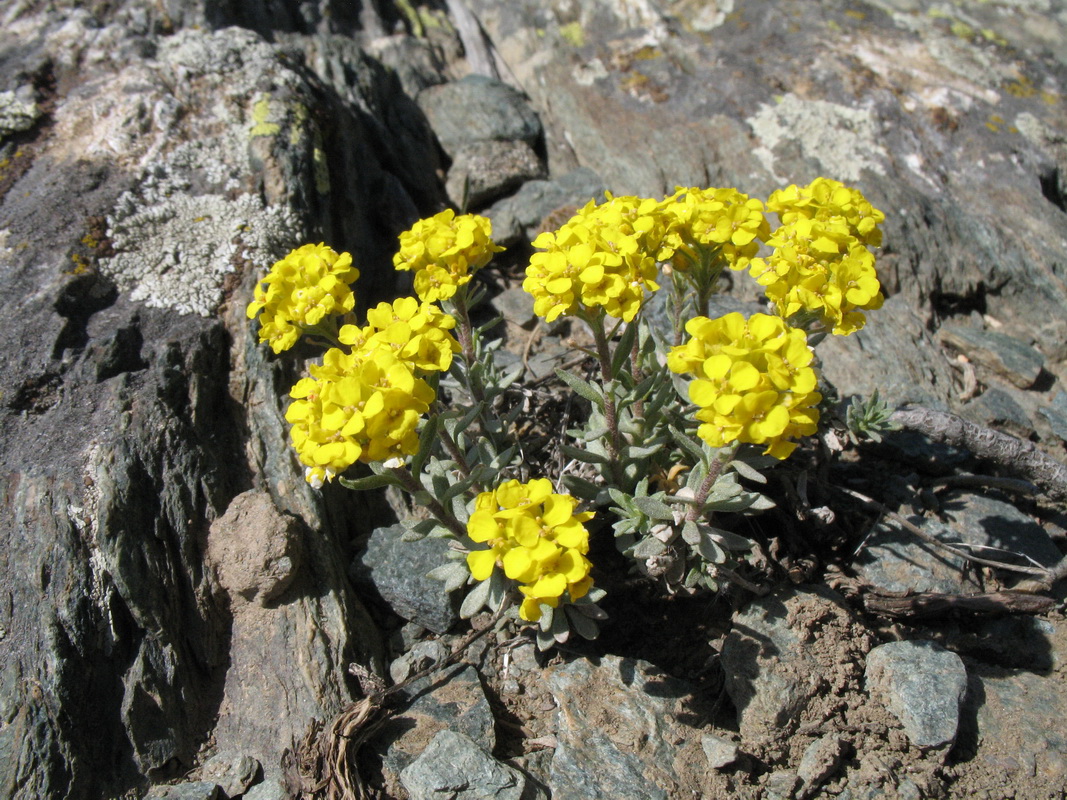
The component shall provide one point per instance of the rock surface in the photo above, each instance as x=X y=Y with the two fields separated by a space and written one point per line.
x=176 y=605
x=924 y=685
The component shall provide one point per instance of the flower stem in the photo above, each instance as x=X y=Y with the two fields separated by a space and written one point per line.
x=603 y=351
x=723 y=457
x=465 y=334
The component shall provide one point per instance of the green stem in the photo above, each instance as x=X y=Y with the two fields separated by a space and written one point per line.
x=603 y=351
x=723 y=457
x=465 y=334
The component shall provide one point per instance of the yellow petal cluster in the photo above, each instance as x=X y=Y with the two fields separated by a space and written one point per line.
x=309 y=284
x=724 y=219
x=753 y=382
x=444 y=251
x=820 y=267
x=602 y=258
x=536 y=537
x=365 y=404
x=416 y=332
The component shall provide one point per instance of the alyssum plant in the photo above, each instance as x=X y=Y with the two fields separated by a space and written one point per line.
x=675 y=420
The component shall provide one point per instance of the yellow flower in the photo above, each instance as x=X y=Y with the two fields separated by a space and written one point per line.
x=820 y=269
x=309 y=284
x=724 y=220
x=536 y=537
x=753 y=381
x=602 y=258
x=444 y=251
x=356 y=407
x=416 y=332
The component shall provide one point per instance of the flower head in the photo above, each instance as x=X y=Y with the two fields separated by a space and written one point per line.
x=356 y=407
x=417 y=333
x=723 y=220
x=309 y=284
x=536 y=537
x=444 y=251
x=753 y=381
x=602 y=258
x=820 y=268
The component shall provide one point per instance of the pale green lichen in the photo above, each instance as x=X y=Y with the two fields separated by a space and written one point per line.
x=842 y=139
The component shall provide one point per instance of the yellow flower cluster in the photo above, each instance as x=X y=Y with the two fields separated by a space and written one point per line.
x=753 y=381
x=444 y=251
x=821 y=267
x=724 y=219
x=537 y=538
x=309 y=284
x=604 y=257
x=365 y=405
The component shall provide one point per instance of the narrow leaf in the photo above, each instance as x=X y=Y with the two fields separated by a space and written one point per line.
x=369 y=482
x=475 y=600
x=583 y=388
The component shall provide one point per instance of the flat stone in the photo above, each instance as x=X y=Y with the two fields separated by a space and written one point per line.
x=478 y=109
x=1005 y=355
x=617 y=733
x=397 y=570
x=196 y=790
x=895 y=560
x=233 y=774
x=998 y=408
x=1013 y=724
x=772 y=668
x=451 y=699
x=483 y=171
x=455 y=766
x=519 y=217
x=820 y=761
x=1055 y=413
x=516 y=307
x=923 y=685
x=720 y=752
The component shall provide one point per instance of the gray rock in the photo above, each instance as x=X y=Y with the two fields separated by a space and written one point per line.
x=455 y=766
x=606 y=74
x=617 y=732
x=781 y=784
x=483 y=171
x=998 y=408
x=196 y=790
x=233 y=774
x=821 y=760
x=519 y=217
x=271 y=788
x=773 y=668
x=478 y=109
x=1056 y=414
x=923 y=685
x=18 y=111
x=1013 y=725
x=452 y=699
x=1004 y=355
x=397 y=570
x=895 y=560
x=720 y=752
x=515 y=306
x=911 y=367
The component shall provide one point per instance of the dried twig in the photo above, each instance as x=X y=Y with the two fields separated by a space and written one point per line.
x=927 y=605
x=1016 y=455
x=327 y=756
